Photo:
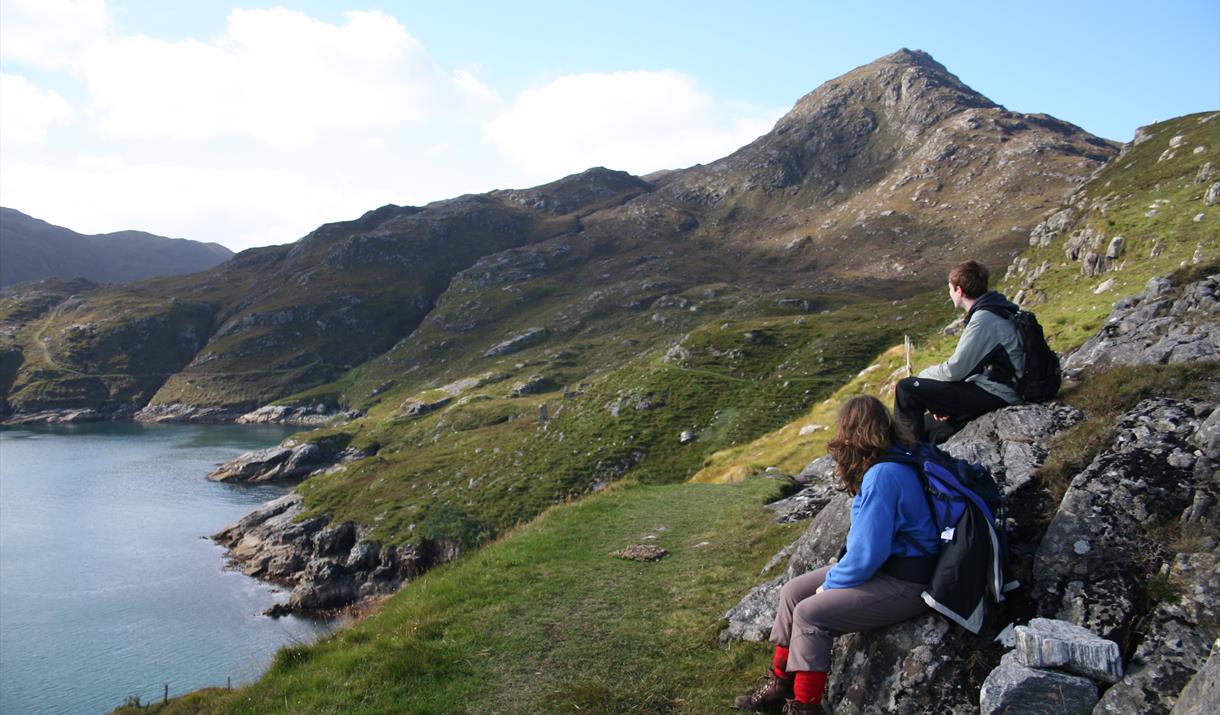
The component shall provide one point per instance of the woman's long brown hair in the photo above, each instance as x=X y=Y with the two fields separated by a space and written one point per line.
x=865 y=432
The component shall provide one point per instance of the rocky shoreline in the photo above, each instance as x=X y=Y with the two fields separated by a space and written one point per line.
x=327 y=566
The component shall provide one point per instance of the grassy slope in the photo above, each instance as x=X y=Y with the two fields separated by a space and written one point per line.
x=546 y=621
x=498 y=625
x=484 y=463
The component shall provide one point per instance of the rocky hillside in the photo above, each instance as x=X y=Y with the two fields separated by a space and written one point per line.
x=897 y=161
x=35 y=249
x=599 y=370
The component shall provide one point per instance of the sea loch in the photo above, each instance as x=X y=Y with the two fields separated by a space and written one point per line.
x=108 y=587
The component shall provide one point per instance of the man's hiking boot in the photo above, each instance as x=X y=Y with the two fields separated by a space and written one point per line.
x=792 y=707
x=771 y=690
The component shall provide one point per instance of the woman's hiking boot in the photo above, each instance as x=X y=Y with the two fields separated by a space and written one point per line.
x=771 y=690
x=792 y=707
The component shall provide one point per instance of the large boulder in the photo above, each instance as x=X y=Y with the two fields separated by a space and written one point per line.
x=1156 y=328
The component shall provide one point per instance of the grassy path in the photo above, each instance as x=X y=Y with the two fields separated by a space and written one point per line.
x=544 y=620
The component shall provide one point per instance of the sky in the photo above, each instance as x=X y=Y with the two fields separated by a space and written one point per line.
x=251 y=123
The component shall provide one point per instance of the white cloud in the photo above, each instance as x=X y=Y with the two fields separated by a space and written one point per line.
x=51 y=34
x=636 y=121
x=27 y=111
x=278 y=76
x=202 y=138
x=236 y=207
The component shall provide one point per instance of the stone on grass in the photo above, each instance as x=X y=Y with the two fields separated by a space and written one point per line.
x=1014 y=689
x=641 y=552
x=1049 y=643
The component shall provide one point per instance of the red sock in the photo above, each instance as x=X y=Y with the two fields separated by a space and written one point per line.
x=779 y=663
x=809 y=686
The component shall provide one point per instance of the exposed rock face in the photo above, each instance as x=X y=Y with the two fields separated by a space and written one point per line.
x=1091 y=567
x=1202 y=694
x=59 y=417
x=1047 y=643
x=328 y=566
x=1013 y=442
x=1107 y=551
x=1174 y=651
x=187 y=413
x=419 y=408
x=273 y=463
x=535 y=385
x=1016 y=689
x=517 y=343
x=1155 y=328
x=310 y=416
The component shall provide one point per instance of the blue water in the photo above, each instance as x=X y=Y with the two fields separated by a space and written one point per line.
x=106 y=587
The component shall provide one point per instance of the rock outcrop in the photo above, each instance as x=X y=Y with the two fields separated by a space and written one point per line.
x=176 y=412
x=1130 y=554
x=1157 y=327
x=288 y=460
x=305 y=416
x=328 y=566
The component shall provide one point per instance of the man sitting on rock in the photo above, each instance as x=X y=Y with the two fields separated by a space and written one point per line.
x=982 y=373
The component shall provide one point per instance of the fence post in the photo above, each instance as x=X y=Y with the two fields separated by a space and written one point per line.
x=229 y=683
x=165 y=698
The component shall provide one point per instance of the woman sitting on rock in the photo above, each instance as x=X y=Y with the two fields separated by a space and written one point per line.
x=889 y=558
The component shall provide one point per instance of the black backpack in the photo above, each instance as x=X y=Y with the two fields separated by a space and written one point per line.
x=1042 y=376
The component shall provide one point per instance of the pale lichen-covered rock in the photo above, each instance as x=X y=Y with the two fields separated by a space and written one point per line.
x=176 y=412
x=1156 y=329
x=1013 y=442
x=1048 y=230
x=415 y=407
x=1202 y=694
x=914 y=667
x=1089 y=568
x=1015 y=689
x=530 y=337
x=1047 y=643
x=311 y=415
x=1180 y=633
x=291 y=461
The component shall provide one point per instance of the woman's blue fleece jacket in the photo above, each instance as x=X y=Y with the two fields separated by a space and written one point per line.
x=890 y=501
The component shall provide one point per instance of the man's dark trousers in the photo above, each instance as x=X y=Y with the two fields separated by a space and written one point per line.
x=961 y=401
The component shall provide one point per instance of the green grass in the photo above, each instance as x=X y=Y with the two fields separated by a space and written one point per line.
x=487 y=461
x=544 y=620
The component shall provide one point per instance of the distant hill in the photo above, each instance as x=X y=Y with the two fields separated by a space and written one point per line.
x=32 y=249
